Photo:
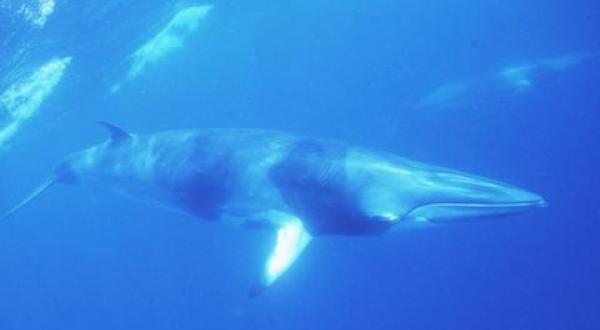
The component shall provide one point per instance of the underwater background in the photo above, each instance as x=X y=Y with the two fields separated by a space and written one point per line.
x=505 y=89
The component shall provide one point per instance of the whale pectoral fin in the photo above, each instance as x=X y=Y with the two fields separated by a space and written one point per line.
x=292 y=239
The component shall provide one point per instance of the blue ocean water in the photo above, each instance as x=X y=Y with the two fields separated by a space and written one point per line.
x=505 y=89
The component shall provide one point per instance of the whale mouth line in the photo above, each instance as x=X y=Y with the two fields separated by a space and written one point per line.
x=540 y=203
x=442 y=210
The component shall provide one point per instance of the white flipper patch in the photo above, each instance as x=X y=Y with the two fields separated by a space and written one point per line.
x=292 y=239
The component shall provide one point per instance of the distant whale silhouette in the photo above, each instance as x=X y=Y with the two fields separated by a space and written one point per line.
x=169 y=39
x=510 y=80
x=299 y=187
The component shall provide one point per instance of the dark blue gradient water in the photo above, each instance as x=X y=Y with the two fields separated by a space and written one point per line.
x=505 y=89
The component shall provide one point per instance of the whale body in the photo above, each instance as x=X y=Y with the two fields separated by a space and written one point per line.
x=301 y=188
x=170 y=38
x=510 y=80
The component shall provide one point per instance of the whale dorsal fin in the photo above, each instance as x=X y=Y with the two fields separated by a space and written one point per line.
x=292 y=238
x=117 y=134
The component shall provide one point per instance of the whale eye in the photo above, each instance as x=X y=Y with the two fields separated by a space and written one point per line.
x=390 y=216
x=386 y=217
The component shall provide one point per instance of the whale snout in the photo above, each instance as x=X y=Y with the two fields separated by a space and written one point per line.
x=464 y=197
x=402 y=191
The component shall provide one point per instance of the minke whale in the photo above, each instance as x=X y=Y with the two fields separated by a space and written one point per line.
x=301 y=188
x=511 y=80
x=170 y=38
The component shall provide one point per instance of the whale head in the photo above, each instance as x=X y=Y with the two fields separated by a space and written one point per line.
x=403 y=191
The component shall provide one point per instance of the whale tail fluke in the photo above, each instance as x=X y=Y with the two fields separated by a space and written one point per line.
x=38 y=191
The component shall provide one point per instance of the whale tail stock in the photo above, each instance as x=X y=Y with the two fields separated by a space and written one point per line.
x=64 y=173
x=35 y=193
